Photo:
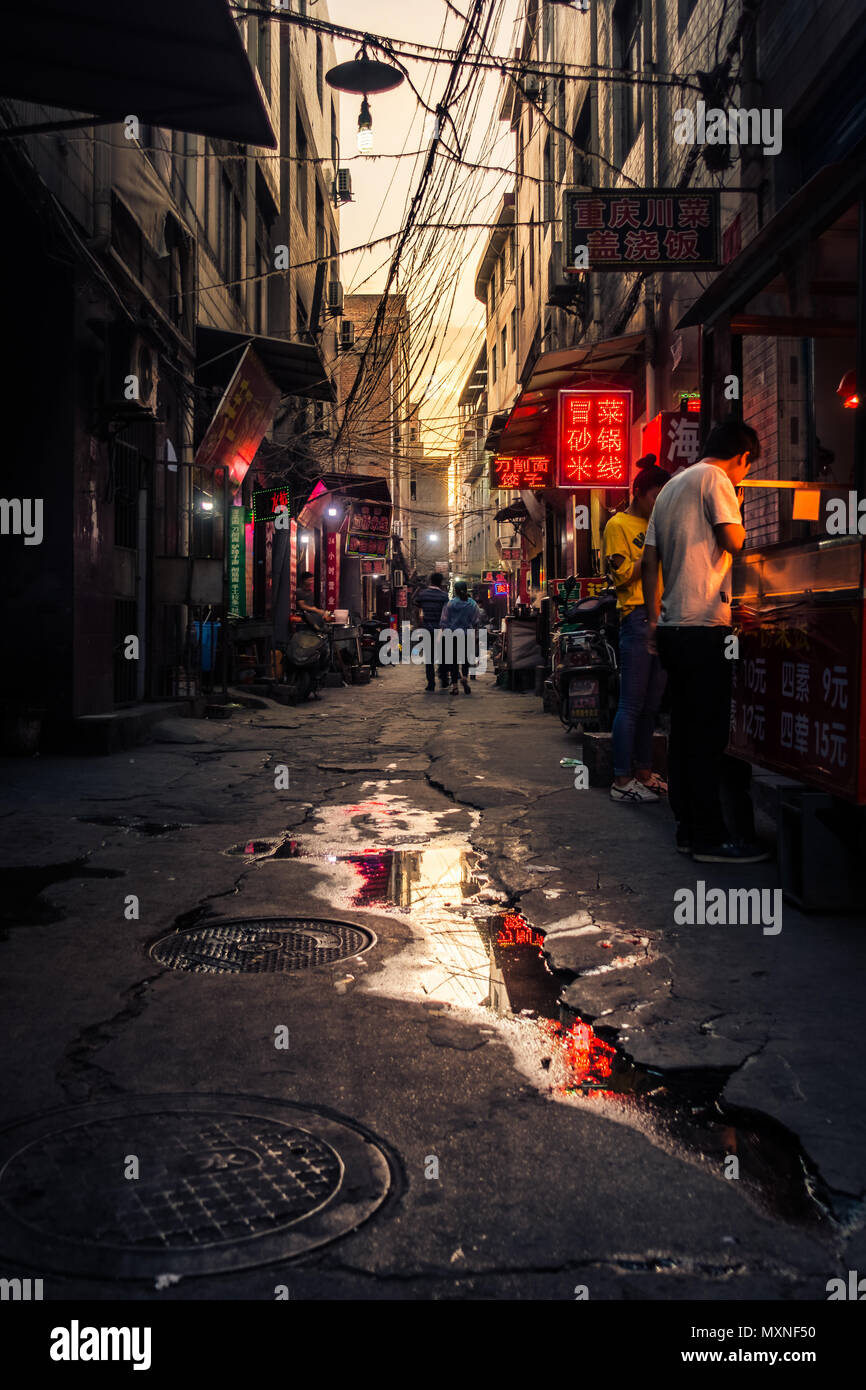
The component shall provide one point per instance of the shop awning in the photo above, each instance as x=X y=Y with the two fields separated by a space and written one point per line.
x=178 y=65
x=297 y=368
x=497 y=425
x=811 y=210
x=531 y=424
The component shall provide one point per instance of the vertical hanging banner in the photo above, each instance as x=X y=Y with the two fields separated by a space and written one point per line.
x=293 y=564
x=332 y=578
x=594 y=439
x=237 y=562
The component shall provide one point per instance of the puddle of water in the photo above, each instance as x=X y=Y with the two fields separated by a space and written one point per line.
x=21 y=901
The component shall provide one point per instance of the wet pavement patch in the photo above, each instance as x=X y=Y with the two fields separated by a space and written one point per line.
x=222 y=1183
x=141 y=827
x=255 y=945
x=21 y=889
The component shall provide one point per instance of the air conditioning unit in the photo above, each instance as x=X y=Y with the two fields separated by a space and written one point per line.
x=343 y=186
x=137 y=374
x=347 y=334
x=335 y=297
x=565 y=289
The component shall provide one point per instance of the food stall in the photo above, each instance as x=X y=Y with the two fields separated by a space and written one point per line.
x=792 y=304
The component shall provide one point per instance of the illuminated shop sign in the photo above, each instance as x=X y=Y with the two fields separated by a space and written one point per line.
x=268 y=501
x=593 y=437
x=522 y=471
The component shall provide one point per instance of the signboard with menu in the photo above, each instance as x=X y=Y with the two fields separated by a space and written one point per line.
x=641 y=229
x=368 y=529
x=594 y=430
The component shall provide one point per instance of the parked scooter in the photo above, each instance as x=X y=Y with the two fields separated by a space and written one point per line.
x=370 y=630
x=585 y=676
x=306 y=658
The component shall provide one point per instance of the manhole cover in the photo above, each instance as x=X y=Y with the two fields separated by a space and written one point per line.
x=250 y=945
x=224 y=1182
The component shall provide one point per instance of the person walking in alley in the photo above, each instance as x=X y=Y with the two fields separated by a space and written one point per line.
x=461 y=614
x=695 y=530
x=429 y=603
x=642 y=677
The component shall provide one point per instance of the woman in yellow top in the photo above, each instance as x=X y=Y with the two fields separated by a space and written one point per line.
x=642 y=680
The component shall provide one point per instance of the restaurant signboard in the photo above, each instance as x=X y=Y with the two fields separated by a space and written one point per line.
x=641 y=229
x=243 y=417
x=593 y=439
x=522 y=471
x=368 y=529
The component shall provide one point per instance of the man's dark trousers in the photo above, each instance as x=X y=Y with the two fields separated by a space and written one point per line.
x=430 y=666
x=699 y=773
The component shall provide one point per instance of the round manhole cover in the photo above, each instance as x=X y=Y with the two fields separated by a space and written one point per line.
x=251 y=945
x=223 y=1182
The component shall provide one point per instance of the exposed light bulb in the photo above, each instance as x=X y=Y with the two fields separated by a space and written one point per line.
x=365 y=128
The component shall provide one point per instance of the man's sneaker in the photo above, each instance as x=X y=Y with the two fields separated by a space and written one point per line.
x=684 y=840
x=632 y=791
x=467 y=688
x=732 y=852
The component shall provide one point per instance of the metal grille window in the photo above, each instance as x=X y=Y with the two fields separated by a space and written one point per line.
x=549 y=191
x=301 y=170
x=126 y=483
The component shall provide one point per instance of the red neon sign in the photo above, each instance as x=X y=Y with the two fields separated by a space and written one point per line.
x=522 y=471
x=594 y=438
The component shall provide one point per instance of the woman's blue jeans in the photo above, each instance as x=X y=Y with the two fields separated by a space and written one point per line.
x=642 y=683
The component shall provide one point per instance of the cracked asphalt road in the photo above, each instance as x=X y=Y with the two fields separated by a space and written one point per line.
x=537 y=1192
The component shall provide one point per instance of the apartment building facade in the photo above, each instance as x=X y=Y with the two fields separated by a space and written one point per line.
x=598 y=106
x=144 y=258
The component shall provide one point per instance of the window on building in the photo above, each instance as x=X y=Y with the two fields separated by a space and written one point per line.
x=520 y=151
x=263 y=54
x=230 y=234
x=302 y=318
x=413 y=488
x=320 y=73
x=504 y=347
x=522 y=282
x=502 y=273
x=548 y=175
x=511 y=254
x=491 y=295
x=513 y=330
x=334 y=143
x=684 y=13
x=628 y=56
x=531 y=249
x=321 y=234
x=560 y=121
x=302 y=169
x=494 y=364
x=262 y=268
x=582 y=138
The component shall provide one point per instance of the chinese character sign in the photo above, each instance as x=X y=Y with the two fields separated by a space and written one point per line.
x=369 y=529
x=640 y=228
x=244 y=416
x=675 y=439
x=237 y=561
x=270 y=500
x=332 y=576
x=594 y=430
x=522 y=471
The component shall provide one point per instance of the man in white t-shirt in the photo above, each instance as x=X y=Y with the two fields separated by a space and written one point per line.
x=694 y=532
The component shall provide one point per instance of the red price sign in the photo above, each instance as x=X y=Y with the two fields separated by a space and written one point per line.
x=522 y=471
x=594 y=432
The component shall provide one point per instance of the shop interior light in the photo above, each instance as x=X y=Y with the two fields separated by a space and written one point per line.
x=434 y=536
x=207 y=506
x=847 y=391
x=332 y=511
x=305 y=538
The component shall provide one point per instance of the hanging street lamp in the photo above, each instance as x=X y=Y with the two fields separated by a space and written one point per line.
x=364 y=76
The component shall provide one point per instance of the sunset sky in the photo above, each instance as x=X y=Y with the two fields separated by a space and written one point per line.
x=383 y=186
